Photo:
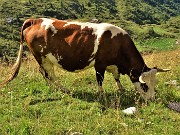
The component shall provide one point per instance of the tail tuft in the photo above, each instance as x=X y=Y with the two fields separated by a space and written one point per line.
x=15 y=68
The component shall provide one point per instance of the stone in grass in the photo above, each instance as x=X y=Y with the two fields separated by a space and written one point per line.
x=174 y=106
x=129 y=111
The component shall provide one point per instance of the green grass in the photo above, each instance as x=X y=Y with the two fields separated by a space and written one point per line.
x=156 y=44
x=29 y=106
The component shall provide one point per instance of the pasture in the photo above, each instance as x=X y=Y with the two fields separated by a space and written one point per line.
x=28 y=106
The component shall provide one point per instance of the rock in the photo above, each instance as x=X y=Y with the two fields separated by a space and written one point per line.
x=174 y=106
x=129 y=111
x=177 y=42
x=172 y=82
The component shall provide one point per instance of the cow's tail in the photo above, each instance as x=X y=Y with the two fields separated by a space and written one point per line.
x=15 y=69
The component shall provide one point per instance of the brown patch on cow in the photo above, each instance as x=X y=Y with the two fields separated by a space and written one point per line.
x=77 y=51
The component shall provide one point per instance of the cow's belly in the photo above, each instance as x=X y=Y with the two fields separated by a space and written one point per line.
x=68 y=64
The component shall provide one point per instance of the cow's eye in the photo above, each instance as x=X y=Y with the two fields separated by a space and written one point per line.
x=144 y=87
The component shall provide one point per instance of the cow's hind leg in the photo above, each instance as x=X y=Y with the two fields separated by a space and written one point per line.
x=46 y=75
x=47 y=70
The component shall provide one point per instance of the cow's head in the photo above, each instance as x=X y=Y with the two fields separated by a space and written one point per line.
x=147 y=82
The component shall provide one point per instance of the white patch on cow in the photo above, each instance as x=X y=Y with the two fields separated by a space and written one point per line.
x=48 y=66
x=48 y=23
x=98 y=30
x=42 y=49
x=48 y=63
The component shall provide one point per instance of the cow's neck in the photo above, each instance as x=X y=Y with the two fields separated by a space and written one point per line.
x=136 y=64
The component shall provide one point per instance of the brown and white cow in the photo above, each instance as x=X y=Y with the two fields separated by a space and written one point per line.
x=76 y=46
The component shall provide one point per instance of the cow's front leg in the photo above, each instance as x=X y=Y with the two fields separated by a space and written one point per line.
x=118 y=83
x=100 y=78
x=101 y=93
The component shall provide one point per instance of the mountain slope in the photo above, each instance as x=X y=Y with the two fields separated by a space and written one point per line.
x=128 y=14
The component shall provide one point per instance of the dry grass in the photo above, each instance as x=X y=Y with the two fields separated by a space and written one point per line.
x=168 y=59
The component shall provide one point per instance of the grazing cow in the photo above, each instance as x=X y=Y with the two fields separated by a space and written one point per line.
x=75 y=46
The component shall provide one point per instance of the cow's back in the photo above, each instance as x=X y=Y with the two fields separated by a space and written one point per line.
x=75 y=46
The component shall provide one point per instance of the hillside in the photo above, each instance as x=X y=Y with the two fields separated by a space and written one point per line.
x=138 y=11
x=133 y=16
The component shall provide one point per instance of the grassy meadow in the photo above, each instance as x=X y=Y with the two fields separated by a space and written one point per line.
x=28 y=106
